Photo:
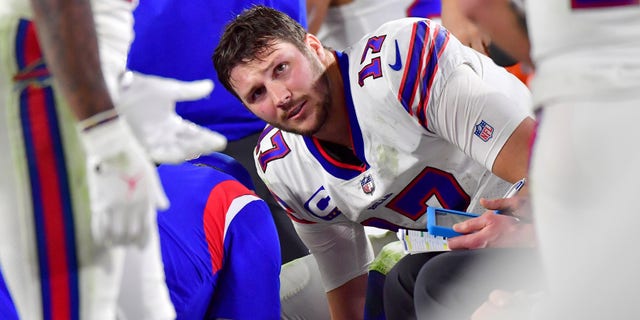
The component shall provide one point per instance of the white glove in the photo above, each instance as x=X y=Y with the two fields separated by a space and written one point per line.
x=148 y=104
x=124 y=188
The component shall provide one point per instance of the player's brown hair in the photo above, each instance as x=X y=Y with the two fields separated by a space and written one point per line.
x=251 y=34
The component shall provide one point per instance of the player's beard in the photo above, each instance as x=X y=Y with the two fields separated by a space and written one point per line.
x=321 y=110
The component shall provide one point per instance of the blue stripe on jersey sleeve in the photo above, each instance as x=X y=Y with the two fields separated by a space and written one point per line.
x=435 y=51
x=414 y=65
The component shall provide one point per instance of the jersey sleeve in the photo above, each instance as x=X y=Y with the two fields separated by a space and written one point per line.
x=417 y=67
x=343 y=241
x=479 y=115
x=114 y=29
x=341 y=250
x=465 y=98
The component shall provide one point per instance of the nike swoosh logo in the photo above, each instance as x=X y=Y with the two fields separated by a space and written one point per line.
x=398 y=65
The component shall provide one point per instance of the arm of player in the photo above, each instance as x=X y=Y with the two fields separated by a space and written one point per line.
x=497 y=230
x=249 y=282
x=512 y=162
x=67 y=35
x=503 y=23
x=124 y=189
x=486 y=114
x=316 y=11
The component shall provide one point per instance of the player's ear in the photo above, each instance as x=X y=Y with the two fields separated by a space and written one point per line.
x=315 y=45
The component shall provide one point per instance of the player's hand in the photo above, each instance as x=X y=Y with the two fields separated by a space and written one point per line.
x=148 y=104
x=517 y=206
x=124 y=188
x=495 y=230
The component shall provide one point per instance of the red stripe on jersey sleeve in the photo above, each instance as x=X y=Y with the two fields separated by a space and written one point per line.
x=214 y=217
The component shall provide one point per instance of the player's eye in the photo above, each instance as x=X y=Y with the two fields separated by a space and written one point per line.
x=280 y=68
x=257 y=93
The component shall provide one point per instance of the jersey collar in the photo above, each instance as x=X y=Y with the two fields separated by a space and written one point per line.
x=334 y=166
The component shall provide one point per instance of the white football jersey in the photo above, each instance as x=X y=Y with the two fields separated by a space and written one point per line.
x=428 y=116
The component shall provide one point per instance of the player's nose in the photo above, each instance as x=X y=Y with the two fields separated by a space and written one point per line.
x=280 y=95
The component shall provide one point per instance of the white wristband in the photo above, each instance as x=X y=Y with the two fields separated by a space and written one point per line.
x=97 y=119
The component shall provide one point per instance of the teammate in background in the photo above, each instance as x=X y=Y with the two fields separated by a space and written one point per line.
x=340 y=23
x=352 y=133
x=587 y=75
x=219 y=243
x=182 y=36
x=65 y=230
x=504 y=21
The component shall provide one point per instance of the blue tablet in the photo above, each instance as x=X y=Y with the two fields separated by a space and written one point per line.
x=440 y=221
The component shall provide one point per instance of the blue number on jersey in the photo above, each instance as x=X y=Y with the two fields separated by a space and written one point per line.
x=278 y=151
x=373 y=69
x=411 y=202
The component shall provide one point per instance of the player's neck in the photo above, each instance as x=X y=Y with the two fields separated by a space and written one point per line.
x=341 y=153
x=336 y=127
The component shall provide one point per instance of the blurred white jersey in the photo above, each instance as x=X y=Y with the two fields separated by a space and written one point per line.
x=428 y=116
x=345 y=24
x=584 y=170
x=583 y=46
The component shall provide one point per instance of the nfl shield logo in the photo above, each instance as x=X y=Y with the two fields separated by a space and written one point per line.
x=484 y=131
x=367 y=184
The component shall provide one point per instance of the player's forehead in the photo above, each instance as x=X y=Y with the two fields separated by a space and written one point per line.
x=260 y=65
x=273 y=49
